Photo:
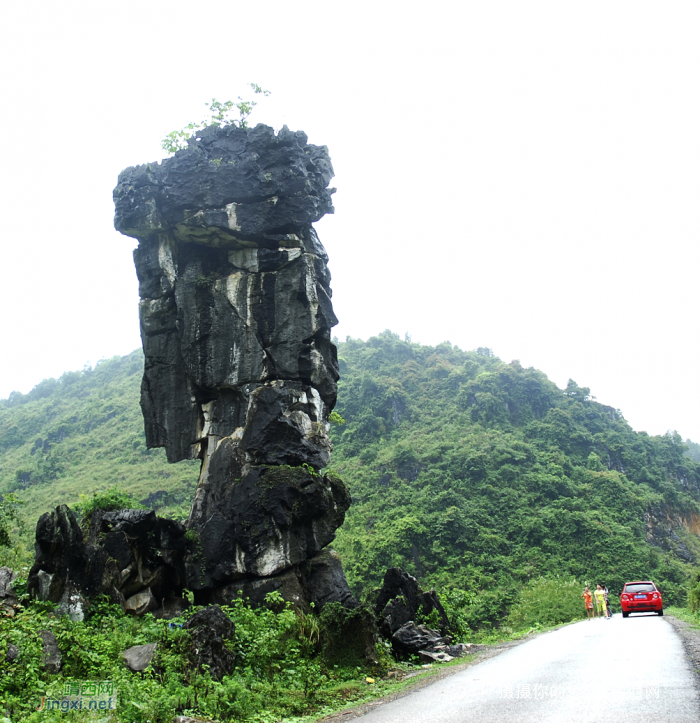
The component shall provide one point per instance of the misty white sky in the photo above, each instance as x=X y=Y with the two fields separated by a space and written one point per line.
x=518 y=175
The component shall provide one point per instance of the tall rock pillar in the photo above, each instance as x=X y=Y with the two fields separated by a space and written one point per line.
x=240 y=370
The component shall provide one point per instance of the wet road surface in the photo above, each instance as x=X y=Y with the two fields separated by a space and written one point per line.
x=618 y=671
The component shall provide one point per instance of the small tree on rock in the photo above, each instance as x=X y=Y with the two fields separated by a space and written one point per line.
x=220 y=114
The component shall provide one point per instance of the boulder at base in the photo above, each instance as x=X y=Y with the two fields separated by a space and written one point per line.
x=139 y=657
x=131 y=555
x=401 y=600
x=210 y=629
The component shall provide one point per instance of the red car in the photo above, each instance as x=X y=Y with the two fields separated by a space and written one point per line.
x=641 y=597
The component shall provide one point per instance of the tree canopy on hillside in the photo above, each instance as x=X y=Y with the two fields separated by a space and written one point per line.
x=467 y=471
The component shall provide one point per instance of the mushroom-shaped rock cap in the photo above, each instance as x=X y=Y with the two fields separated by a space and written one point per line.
x=251 y=186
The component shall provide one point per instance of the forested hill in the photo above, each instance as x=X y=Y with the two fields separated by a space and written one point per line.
x=465 y=470
x=480 y=474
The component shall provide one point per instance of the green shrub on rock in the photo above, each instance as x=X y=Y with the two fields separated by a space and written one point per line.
x=108 y=501
x=348 y=638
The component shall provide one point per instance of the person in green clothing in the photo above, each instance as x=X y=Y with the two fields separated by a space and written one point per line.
x=607 y=600
x=599 y=595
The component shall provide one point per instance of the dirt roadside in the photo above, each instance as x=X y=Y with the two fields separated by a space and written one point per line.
x=691 y=643
x=484 y=653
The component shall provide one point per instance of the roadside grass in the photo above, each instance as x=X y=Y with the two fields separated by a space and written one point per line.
x=684 y=614
x=506 y=634
x=280 y=672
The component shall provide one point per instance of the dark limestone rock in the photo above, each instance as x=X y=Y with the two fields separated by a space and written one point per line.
x=133 y=523
x=286 y=426
x=240 y=370
x=51 y=654
x=8 y=598
x=348 y=636
x=12 y=653
x=412 y=638
x=249 y=182
x=7 y=577
x=63 y=563
x=443 y=653
x=429 y=602
x=324 y=581
x=139 y=657
x=144 y=551
x=460 y=649
x=260 y=520
x=398 y=584
x=225 y=330
x=434 y=656
x=396 y=613
x=254 y=589
x=209 y=629
x=141 y=603
x=401 y=600
x=233 y=279
x=171 y=606
x=320 y=580
x=131 y=555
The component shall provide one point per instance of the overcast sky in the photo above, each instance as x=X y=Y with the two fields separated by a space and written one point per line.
x=518 y=175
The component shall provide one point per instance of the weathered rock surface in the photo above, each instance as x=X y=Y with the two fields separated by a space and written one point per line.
x=324 y=581
x=430 y=645
x=661 y=527
x=240 y=370
x=319 y=580
x=8 y=598
x=131 y=555
x=50 y=652
x=7 y=577
x=209 y=629
x=260 y=521
x=171 y=606
x=429 y=656
x=139 y=657
x=400 y=600
x=225 y=165
x=141 y=603
x=235 y=293
x=412 y=638
x=348 y=637
x=12 y=653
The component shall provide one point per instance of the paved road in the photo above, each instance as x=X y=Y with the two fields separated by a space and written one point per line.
x=616 y=671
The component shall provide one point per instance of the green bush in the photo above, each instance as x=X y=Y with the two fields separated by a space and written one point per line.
x=348 y=638
x=547 y=601
x=694 y=593
x=457 y=604
x=110 y=500
x=279 y=672
x=8 y=517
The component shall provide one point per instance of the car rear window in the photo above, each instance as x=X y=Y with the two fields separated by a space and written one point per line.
x=640 y=587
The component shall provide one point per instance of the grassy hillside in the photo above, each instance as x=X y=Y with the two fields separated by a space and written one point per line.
x=84 y=433
x=469 y=472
